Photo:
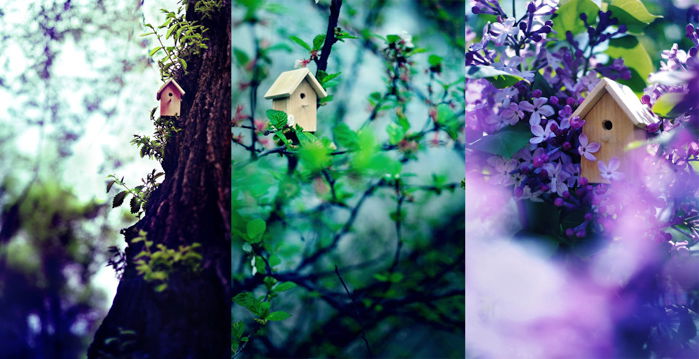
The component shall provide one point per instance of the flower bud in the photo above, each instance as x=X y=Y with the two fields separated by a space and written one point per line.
x=558 y=202
x=531 y=8
x=537 y=93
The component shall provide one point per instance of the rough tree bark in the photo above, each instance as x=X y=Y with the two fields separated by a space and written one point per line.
x=191 y=319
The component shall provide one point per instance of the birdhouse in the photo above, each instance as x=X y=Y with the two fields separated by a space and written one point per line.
x=614 y=117
x=296 y=92
x=170 y=96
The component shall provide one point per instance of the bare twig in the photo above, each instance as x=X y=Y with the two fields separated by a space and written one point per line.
x=357 y=317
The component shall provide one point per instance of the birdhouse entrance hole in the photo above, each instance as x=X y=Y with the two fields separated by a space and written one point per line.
x=170 y=94
x=607 y=124
x=303 y=95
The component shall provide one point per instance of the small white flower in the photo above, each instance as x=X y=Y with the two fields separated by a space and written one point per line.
x=407 y=38
x=290 y=121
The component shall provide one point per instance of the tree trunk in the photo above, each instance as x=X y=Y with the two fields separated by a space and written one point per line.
x=191 y=318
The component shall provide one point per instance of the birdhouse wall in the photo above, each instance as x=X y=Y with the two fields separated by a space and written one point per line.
x=280 y=104
x=302 y=105
x=608 y=125
x=170 y=101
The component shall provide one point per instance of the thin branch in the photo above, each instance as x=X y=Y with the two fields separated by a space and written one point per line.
x=356 y=312
x=345 y=228
x=330 y=39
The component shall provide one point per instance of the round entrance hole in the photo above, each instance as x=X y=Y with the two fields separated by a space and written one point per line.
x=607 y=124
x=303 y=95
x=170 y=94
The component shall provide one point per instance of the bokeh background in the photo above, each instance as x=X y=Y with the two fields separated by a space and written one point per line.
x=76 y=84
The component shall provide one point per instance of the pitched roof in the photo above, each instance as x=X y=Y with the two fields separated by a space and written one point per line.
x=288 y=81
x=639 y=114
x=170 y=81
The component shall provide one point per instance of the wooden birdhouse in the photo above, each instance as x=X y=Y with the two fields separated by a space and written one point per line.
x=170 y=96
x=296 y=92
x=614 y=117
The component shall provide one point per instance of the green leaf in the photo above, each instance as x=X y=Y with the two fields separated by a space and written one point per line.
x=135 y=204
x=277 y=118
x=247 y=300
x=318 y=42
x=396 y=133
x=444 y=114
x=119 y=199
x=160 y=287
x=154 y=51
x=274 y=260
x=434 y=60
x=392 y=38
x=635 y=57
x=666 y=105
x=328 y=77
x=382 y=164
x=345 y=137
x=300 y=42
x=632 y=13
x=256 y=228
x=277 y=316
x=260 y=265
x=282 y=287
x=110 y=184
x=505 y=142
x=569 y=16
x=314 y=156
x=498 y=78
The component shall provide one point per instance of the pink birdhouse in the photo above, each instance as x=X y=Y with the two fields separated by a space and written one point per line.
x=170 y=96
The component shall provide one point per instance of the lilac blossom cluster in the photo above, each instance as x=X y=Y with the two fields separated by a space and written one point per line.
x=548 y=169
x=647 y=216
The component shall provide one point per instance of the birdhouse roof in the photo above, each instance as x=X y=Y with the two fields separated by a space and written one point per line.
x=288 y=81
x=639 y=114
x=170 y=81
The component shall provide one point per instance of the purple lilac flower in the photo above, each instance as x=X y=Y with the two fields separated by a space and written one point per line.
x=558 y=177
x=532 y=196
x=610 y=171
x=501 y=30
x=544 y=7
x=512 y=114
x=486 y=7
x=502 y=170
x=538 y=109
x=674 y=59
x=541 y=134
x=587 y=149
